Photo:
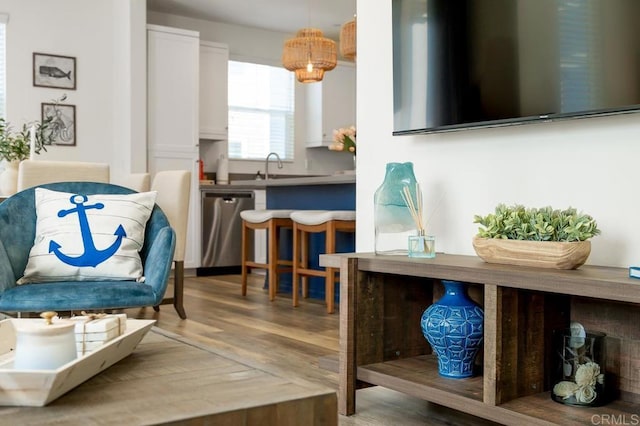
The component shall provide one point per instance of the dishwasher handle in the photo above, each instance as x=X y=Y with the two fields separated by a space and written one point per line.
x=227 y=195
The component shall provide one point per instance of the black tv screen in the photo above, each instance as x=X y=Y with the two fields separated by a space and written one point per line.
x=478 y=63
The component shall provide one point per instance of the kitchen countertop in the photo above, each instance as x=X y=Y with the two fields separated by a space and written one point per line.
x=341 y=178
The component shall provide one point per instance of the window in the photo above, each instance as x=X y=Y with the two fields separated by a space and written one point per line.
x=3 y=65
x=261 y=111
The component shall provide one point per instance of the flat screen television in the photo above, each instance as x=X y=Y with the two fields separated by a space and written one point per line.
x=481 y=63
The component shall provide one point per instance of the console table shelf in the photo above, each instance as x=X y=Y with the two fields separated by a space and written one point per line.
x=381 y=343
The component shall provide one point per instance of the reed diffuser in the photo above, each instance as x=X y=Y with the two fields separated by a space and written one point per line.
x=420 y=245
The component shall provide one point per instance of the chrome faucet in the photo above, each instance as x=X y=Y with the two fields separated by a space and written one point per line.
x=266 y=164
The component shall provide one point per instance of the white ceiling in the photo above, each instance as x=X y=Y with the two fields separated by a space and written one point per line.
x=279 y=15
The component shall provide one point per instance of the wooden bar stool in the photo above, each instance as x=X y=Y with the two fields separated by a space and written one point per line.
x=314 y=221
x=273 y=221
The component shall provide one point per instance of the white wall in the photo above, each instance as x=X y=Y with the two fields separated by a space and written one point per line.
x=259 y=46
x=107 y=39
x=589 y=164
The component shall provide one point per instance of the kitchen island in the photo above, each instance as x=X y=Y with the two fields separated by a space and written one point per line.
x=286 y=181
x=334 y=192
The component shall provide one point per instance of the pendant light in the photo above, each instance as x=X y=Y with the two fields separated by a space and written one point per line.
x=348 y=40
x=309 y=54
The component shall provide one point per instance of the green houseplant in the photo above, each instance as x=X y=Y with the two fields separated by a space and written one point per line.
x=542 y=237
x=15 y=145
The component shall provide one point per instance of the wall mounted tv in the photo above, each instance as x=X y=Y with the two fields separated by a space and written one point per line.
x=480 y=63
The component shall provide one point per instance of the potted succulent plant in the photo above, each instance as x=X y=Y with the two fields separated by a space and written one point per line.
x=541 y=237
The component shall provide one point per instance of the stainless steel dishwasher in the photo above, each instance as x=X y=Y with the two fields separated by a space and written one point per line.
x=222 y=230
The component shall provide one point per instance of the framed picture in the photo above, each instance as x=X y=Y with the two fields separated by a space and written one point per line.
x=63 y=123
x=54 y=71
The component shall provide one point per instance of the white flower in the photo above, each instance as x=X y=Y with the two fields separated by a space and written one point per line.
x=344 y=140
x=586 y=394
x=587 y=374
x=565 y=389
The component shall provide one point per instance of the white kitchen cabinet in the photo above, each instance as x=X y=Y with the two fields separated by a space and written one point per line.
x=172 y=116
x=330 y=104
x=214 y=59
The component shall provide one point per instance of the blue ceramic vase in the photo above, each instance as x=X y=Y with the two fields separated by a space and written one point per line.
x=454 y=327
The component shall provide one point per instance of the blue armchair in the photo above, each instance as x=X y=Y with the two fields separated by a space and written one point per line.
x=17 y=232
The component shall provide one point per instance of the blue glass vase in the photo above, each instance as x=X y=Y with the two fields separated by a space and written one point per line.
x=454 y=327
x=393 y=221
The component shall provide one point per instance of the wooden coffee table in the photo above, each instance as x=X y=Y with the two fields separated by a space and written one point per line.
x=169 y=379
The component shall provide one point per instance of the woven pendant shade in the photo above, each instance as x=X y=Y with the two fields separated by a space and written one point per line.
x=309 y=54
x=348 y=40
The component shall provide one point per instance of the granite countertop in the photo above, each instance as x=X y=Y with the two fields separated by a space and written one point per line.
x=341 y=178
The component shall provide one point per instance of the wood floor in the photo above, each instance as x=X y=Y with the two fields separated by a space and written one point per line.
x=287 y=340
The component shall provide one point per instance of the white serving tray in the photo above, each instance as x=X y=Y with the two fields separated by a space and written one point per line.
x=37 y=388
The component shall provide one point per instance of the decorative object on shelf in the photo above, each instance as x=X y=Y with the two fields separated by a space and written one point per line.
x=454 y=327
x=54 y=71
x=348 y=40
x=393 y=220
x=634 y=271
x=544 y=237
x=309 y=54
x=547 y=254
x=420 y=245
x=344 y=140
x=577 y=377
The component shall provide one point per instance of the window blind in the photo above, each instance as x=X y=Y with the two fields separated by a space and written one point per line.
x=261 y=111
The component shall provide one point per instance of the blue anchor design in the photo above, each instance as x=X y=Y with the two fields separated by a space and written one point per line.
x=91 y=256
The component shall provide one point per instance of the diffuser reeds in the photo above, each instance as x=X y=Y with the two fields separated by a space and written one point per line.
x=415 y=207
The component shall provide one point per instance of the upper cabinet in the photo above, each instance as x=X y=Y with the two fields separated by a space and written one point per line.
x=214 y=58
x=330 y=104
x=172 y=116
x=172 y=107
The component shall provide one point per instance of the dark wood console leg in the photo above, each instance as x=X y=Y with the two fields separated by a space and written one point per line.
x=347 y=365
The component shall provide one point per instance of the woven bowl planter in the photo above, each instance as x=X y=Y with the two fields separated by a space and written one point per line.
x=539 y=254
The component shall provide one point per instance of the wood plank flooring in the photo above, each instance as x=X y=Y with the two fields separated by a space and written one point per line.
x=288 y=341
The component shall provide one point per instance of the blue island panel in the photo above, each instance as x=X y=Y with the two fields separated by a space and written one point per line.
x=313 y=197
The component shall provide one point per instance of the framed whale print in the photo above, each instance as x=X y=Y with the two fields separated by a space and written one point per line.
x=54 y=71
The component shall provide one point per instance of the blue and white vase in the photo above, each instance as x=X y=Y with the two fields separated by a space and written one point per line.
x=454 y=326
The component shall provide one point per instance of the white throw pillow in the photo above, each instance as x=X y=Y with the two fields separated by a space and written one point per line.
x=82 y=238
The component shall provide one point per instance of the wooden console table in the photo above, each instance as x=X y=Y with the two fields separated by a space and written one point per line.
x=381 y=343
